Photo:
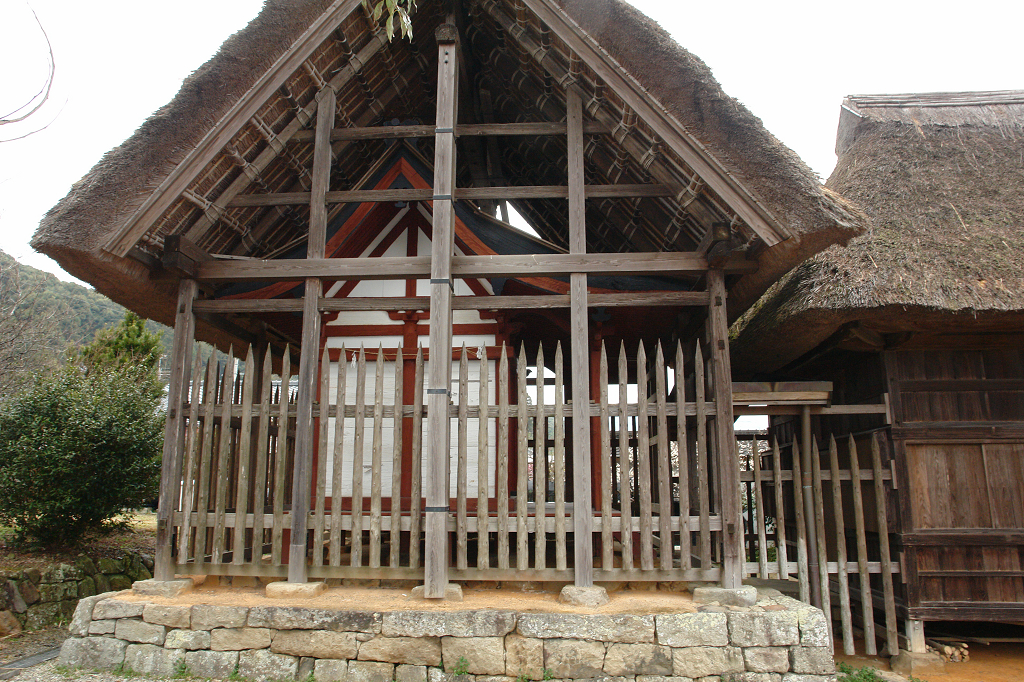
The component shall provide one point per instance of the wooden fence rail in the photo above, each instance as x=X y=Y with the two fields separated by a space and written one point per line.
x=655 y=517
x=854 y=557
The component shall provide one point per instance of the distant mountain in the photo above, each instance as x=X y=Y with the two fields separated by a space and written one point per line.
x=83 y=311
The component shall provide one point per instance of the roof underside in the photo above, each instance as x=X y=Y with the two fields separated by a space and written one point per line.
x=242 y=125
x=397 y=85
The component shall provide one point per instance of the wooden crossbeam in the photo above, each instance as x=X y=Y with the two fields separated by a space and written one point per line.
x=472 y=193
x=181 y=256
x=639 y=299
x=464 y=130
x=466 y=267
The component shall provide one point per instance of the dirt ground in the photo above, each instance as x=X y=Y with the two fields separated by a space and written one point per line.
x=996 y=662
x=27 y=644
x=141 y=537
x=381 y=599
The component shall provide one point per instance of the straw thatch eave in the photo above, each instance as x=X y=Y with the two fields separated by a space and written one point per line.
x=76 y=231
x=945 y=252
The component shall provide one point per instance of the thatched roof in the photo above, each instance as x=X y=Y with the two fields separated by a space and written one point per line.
x=942 y=178
x=223 y=130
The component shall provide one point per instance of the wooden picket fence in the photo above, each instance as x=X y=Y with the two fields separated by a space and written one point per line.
x=655 y=511
x=857 y=560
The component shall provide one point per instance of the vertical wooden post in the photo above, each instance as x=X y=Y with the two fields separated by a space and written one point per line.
x=809 y=512
x=309 y=360
x=439 y=382
x=728 y=461
x=582 y=514
x=174 y=430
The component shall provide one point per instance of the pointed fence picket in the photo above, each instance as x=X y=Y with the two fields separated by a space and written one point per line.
x=512 y=493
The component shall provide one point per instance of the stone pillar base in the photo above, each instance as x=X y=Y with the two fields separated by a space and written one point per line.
x=162 y=588
x=452 y=592
x=742 y=596
x=584 y=596
x=906 y=663
x=285 y=590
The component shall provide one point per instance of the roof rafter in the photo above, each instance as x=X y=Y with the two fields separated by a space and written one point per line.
x=121 y=242
x=739 y=198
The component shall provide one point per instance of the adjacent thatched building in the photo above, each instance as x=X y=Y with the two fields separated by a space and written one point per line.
x=926 y=311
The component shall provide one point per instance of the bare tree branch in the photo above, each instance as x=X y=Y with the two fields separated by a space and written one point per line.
x=36 y=102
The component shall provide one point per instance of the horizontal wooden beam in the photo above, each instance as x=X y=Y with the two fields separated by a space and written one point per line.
x=793 y=410
x=418 y=267
x=939 y=432
x=959 y=385
x=473 y=193
x=180 y=256
x=982 y=537
x=968 y=610
x=474 y=130
x=638 y=299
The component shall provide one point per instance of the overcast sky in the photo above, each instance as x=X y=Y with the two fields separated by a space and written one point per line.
x=789 y=61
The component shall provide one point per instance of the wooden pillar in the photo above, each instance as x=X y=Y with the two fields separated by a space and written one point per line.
x=309 y=359
x=174 y=430
x=728 y=460
x=808 y=499
x=915 y=637
x=582 y=512
x=439 y=382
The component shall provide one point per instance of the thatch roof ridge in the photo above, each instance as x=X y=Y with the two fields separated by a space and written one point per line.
x=936 y=99
x=946 y=242
x=74 y=230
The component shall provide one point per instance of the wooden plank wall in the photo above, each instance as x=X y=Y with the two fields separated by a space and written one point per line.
x=959 y=440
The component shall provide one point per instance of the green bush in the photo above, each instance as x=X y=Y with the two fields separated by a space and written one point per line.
x=77 y=450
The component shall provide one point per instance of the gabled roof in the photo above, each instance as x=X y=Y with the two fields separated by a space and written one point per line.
x=939 y=175
x=240 y=125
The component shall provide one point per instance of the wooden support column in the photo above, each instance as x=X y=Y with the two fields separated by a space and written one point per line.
x=728 y=460
x=174 y=430
x=309 y=358
x=439 y=381
x=582 y=512
x=807 y=484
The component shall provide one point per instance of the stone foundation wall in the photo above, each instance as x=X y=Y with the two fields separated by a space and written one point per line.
x=37 y=598
x=778 y=640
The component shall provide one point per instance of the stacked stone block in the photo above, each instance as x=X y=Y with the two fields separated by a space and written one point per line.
x=778 y=640
x=34 y=598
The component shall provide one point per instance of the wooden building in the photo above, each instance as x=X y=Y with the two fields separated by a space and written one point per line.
x=925 y=314
x=470 y=402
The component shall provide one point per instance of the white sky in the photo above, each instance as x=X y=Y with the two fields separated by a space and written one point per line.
x=789 y=61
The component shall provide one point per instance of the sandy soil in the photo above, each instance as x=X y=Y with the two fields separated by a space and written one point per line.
x=381 y=599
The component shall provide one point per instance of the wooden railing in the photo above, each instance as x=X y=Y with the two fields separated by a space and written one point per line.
x=654 y=460
x=851 y=560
